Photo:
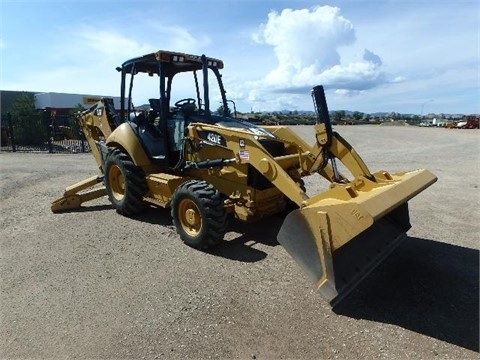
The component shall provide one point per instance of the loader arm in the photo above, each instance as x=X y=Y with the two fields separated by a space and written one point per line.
x=305 y=161
x=274 y=169
x=337 y=148
x=330 y=145
x=315 y=158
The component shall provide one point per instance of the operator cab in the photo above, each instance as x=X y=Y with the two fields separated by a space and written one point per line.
x=161 y=127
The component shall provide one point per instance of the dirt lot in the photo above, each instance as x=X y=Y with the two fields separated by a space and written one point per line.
x=93 y=284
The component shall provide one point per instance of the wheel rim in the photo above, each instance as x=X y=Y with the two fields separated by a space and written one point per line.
x=117 y=182
x=190 y=217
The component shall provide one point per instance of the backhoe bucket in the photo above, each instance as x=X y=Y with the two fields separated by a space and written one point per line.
x=348 y=230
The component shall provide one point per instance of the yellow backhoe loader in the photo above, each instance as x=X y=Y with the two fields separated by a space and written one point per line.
x=207 y=167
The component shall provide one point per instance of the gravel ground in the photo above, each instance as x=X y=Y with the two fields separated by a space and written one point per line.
x=94 y=284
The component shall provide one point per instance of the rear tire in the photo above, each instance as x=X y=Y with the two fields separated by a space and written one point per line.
x=125 y=183
x=199 y=214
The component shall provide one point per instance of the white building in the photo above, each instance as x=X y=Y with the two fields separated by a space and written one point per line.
x=68 y=101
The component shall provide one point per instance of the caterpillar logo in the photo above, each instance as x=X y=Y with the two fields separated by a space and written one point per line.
x=213 y=137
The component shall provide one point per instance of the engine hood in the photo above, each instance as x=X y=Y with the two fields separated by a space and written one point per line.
x=233 y=123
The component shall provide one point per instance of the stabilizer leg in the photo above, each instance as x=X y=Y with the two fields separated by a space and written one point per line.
x=72 y=199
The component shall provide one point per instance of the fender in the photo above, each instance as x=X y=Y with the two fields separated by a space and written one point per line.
x=124 y=136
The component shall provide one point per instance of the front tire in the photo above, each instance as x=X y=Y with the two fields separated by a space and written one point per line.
x=125 y=183
x=199 y=214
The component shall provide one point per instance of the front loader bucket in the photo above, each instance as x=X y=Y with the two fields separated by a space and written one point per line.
x=339 y=240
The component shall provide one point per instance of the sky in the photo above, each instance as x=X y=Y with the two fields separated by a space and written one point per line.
x=403 y=56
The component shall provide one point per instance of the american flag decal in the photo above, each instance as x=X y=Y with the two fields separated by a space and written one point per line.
x=244 y=155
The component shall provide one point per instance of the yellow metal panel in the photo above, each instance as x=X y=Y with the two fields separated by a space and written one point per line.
x=351 y=228
x=161 y=188
x=125 y=137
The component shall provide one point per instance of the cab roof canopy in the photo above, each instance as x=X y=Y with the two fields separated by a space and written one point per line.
x=172 y=62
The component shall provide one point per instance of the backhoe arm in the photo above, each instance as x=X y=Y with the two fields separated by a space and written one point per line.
x=97 y=123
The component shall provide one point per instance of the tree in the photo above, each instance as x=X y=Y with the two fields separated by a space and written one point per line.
x=357 y=115
x=338 y=116
x=27 y=121
x=228 y=112
x=394 y=116
x=415 y=120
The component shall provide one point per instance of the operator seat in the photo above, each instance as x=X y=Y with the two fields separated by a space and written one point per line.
x=155 y=104
x=152 y=142
x=150 y=136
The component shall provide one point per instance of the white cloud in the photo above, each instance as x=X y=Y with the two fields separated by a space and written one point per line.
x=345 y=92
x=372 y=58
x=306 y=38
x=306 y=43
x=110 y=43
x=83 y=60
x=175 y=37
x=398 y=79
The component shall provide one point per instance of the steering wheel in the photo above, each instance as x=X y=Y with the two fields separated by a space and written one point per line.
x=186 y=101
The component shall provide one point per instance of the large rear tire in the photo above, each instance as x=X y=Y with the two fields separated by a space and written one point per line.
x=125 y=183
x=199 y=214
